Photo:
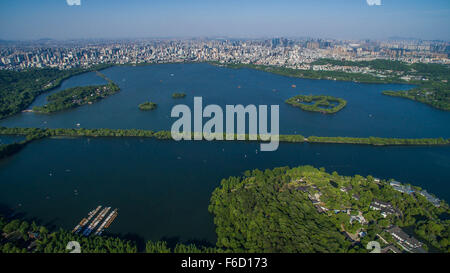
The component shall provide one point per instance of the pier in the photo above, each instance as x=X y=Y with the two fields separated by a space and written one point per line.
x=97 y=221
x=84 y=221
x=107 y=222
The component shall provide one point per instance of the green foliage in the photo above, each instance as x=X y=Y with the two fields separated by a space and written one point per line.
x=319 y=75
x=432 y=79
x=379 y=141
x=375 y=64
x=178 y=95
x=433 y=89
x=15 y=239
x=56 y=242
x=147 y=106
x=157 y=247
x=259 y=214
x=10 y=149
x=436 y=94
x=432 y=71
x=11 y=226
x=162 y=247
x=271 y=211
x=19 y=89
x=321 y=104
x=37 y=133
x=77 y=96
x=268 y=211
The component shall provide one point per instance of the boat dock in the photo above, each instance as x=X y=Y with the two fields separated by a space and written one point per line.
x=107 y=222
x=97 y=220
x=99 y=216
x=84 y=221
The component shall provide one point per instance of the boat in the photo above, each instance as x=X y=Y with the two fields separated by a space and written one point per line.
x=84 y=221
x=107 y=222
x=96 y=221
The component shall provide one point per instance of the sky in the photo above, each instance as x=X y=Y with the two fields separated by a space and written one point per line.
x=339 y=19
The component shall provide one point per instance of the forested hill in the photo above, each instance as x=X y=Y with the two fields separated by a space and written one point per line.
x=19 y=89
x=308 y=210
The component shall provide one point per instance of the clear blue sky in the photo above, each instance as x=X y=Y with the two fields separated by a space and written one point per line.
x=347 y=19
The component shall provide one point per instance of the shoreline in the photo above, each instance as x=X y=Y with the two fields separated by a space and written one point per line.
x=166 y=135
x=97 y=68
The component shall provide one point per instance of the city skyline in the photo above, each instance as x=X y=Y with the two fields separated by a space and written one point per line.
x=352 y=20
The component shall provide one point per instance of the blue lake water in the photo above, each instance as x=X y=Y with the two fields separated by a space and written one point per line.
x=10 y=139
x=368 y=112
x=162 y=188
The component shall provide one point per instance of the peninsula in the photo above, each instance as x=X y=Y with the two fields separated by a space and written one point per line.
x=75 y=97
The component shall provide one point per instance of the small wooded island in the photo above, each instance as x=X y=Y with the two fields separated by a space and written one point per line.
x=75 y=97
x=178 y=95
x=322 y=104
x=147 y=106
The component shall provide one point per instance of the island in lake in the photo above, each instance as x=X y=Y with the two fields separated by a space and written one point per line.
x=147 y=106
x=328 y=211
x=178 y=95
x=321 y=104
x=432 y=79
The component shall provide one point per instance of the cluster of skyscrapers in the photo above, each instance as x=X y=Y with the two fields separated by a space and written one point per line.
x=293 y=53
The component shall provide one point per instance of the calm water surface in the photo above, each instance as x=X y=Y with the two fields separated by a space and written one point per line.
x=162 y=188
x=10 y=139
x=368 y=112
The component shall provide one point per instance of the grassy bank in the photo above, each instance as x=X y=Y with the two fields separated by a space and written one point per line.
x=166 y=135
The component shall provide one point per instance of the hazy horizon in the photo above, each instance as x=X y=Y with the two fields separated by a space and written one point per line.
x=393 y=38
x=134 y=19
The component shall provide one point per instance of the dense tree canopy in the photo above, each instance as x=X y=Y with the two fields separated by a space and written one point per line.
x=19 y=89
x=77 y=96
x=272 y=211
